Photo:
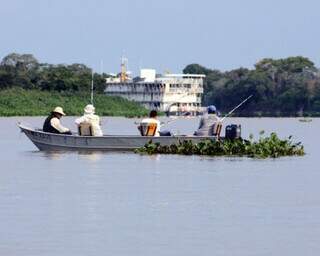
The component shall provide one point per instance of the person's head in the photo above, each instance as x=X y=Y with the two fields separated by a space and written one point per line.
x=89 y=109
x=58 y=112
x=153 y=114
x=212 y=109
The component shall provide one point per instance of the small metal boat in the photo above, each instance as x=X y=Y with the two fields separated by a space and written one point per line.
x=59 y=142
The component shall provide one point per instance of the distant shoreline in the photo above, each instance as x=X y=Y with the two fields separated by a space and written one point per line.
x=19 y=102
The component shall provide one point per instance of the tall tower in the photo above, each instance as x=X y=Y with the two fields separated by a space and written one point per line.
x=123 y=74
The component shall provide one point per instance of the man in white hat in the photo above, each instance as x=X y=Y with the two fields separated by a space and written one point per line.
x=52 y=123
x=90 y=118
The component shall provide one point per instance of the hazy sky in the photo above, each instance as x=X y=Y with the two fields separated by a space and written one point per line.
x=161 y=34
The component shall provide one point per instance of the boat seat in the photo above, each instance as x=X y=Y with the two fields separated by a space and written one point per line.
x=85 y=129
x=217 y=127
x=147 y=129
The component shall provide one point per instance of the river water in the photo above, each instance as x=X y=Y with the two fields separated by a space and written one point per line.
x=128 y=204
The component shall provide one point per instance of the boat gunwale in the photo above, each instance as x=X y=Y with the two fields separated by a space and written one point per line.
x=23 y=127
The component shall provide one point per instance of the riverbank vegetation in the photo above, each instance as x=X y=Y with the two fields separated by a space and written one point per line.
x=21 y=102
x=266 y=147
x=280 y=87
x=28 y=87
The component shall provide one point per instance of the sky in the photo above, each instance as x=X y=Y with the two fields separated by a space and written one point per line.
x=163 y=34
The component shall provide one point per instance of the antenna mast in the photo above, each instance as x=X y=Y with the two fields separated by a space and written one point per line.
x=92 y=87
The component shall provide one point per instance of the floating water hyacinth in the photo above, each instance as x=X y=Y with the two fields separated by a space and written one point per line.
x=271 y=146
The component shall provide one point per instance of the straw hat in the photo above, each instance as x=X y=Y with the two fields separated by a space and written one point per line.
x=59 y=110
x=89 y=109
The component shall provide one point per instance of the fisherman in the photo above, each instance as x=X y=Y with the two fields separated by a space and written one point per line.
x=207 y=122
x=89 y=117
x=153 y=120
x=52 y=123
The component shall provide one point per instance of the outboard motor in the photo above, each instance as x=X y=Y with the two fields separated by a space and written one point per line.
x=233 y=131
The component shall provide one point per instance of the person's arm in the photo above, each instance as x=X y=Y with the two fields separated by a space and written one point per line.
x=98 y=120
x=80 y=120
x=97 y=129
x=158 y=128
x=201 y=123
x=55 y=122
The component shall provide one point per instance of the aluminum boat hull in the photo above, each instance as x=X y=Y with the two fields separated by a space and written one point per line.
x=59 y=142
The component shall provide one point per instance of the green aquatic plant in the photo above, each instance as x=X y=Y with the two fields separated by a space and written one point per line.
x=271 y=146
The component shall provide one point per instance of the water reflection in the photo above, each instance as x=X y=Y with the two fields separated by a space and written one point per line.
x=155 y=157
x=53 y=155
x=92 y=156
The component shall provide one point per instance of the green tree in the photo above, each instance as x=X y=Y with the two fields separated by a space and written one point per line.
x=280 y=86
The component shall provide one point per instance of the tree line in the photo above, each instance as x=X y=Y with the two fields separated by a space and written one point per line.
x=25 y=71
x=30 y=88
x=280 y=87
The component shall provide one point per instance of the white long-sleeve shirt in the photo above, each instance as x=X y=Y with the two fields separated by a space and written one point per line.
x=93 y=120
x=55 y=123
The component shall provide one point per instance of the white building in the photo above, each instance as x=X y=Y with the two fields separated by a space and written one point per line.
x=173 y=93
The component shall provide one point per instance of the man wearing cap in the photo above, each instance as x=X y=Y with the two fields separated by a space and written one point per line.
x=89 y=117
x=207 y=122
x=52 y=123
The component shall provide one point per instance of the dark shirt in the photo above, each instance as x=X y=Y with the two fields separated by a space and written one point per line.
x=47 y=127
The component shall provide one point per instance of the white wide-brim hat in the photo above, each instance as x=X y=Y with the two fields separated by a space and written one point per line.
x=89 y=109
x=59 y=110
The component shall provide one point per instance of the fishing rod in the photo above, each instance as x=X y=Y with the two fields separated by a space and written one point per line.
x=187 y=113
x=230 y=112
x=173 y=120
x=170 y=121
